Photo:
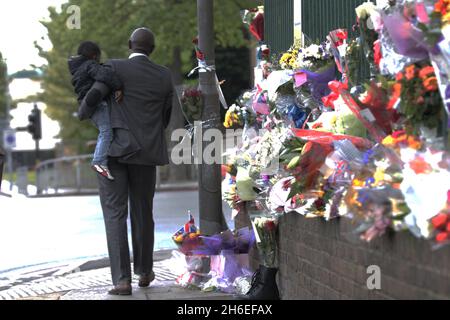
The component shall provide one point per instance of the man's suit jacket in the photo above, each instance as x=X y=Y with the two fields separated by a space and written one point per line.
x=139 y=120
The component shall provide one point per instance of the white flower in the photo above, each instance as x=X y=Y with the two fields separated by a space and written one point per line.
x=248 y=95
x=233 y=108
x=365 y=10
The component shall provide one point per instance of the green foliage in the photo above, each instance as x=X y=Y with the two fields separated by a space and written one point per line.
x=3 y=86
x=110 y=23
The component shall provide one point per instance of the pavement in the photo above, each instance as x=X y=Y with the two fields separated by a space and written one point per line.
x=91 y=280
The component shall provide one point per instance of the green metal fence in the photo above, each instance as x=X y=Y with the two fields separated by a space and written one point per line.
x=279 y=24
x=321 y=16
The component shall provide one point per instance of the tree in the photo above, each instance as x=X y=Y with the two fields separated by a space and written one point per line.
x=109 y=23
x=3 y=87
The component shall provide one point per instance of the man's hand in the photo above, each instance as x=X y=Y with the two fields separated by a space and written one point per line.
x=118 y=96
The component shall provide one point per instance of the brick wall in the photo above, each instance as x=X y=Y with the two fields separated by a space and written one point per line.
x=323 y=260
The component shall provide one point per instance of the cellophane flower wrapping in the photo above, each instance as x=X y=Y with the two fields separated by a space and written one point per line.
x=266 y=229
x=229 y=260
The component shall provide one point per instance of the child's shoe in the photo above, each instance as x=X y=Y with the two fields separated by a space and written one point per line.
x=103 y=170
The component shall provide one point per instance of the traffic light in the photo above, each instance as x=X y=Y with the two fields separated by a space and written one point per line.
x=34 y=126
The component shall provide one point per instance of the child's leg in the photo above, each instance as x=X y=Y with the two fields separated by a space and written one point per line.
x=102 y=121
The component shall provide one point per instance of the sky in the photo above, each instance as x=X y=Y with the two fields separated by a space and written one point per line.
x=19 y=19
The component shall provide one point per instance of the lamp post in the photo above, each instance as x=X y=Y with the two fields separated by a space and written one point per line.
x=212 y=220
x=9 y=163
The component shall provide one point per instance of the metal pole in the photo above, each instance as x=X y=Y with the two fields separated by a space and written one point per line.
x=8 y=121
x=212 y=220
x=37 y=150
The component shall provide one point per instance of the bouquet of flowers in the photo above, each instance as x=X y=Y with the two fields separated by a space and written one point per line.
x=254 y=18
x=192 y=104
x=421 y=102
x=240 y=113
x=266 y=241
x=288 y=60
x=187 y=238
x=314 y=68
x=315 y=58
x=235 y=117
x=368 y=36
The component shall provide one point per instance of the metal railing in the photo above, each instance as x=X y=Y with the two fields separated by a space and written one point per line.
x=66 y=174
x=73 y=175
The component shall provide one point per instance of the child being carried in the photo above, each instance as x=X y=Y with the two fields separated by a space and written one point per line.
x=86 y=69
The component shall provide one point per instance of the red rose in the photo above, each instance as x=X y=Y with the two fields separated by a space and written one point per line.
x=377 y=52
x=319 y=203
x=439 y=221
x=270 y=225
x=442 y=237
x=200 y=55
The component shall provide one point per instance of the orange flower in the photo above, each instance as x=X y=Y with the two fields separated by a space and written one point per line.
x=410 y=72
x=396 y=93
x=431 y=84
x=442 y=6
x=401 y=138
x=425 y=72
x=414 y=143
x=439 y=6
x=419 y=165
x=399 y=76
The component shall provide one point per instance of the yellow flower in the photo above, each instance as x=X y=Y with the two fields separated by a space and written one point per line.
x=228 y=123
x=446 y=18
x=358 y=183
x=389 y=141
x=379 y=176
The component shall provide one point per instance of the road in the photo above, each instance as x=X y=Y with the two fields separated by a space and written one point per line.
x=43 y=230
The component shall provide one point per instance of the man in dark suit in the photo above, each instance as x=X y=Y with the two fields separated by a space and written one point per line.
x=138 y=120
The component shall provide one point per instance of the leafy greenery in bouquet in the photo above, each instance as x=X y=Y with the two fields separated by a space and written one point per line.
x=192 y=104
x=353 y=60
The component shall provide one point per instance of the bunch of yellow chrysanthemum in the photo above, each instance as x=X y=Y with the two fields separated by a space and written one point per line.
x=289 y=59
